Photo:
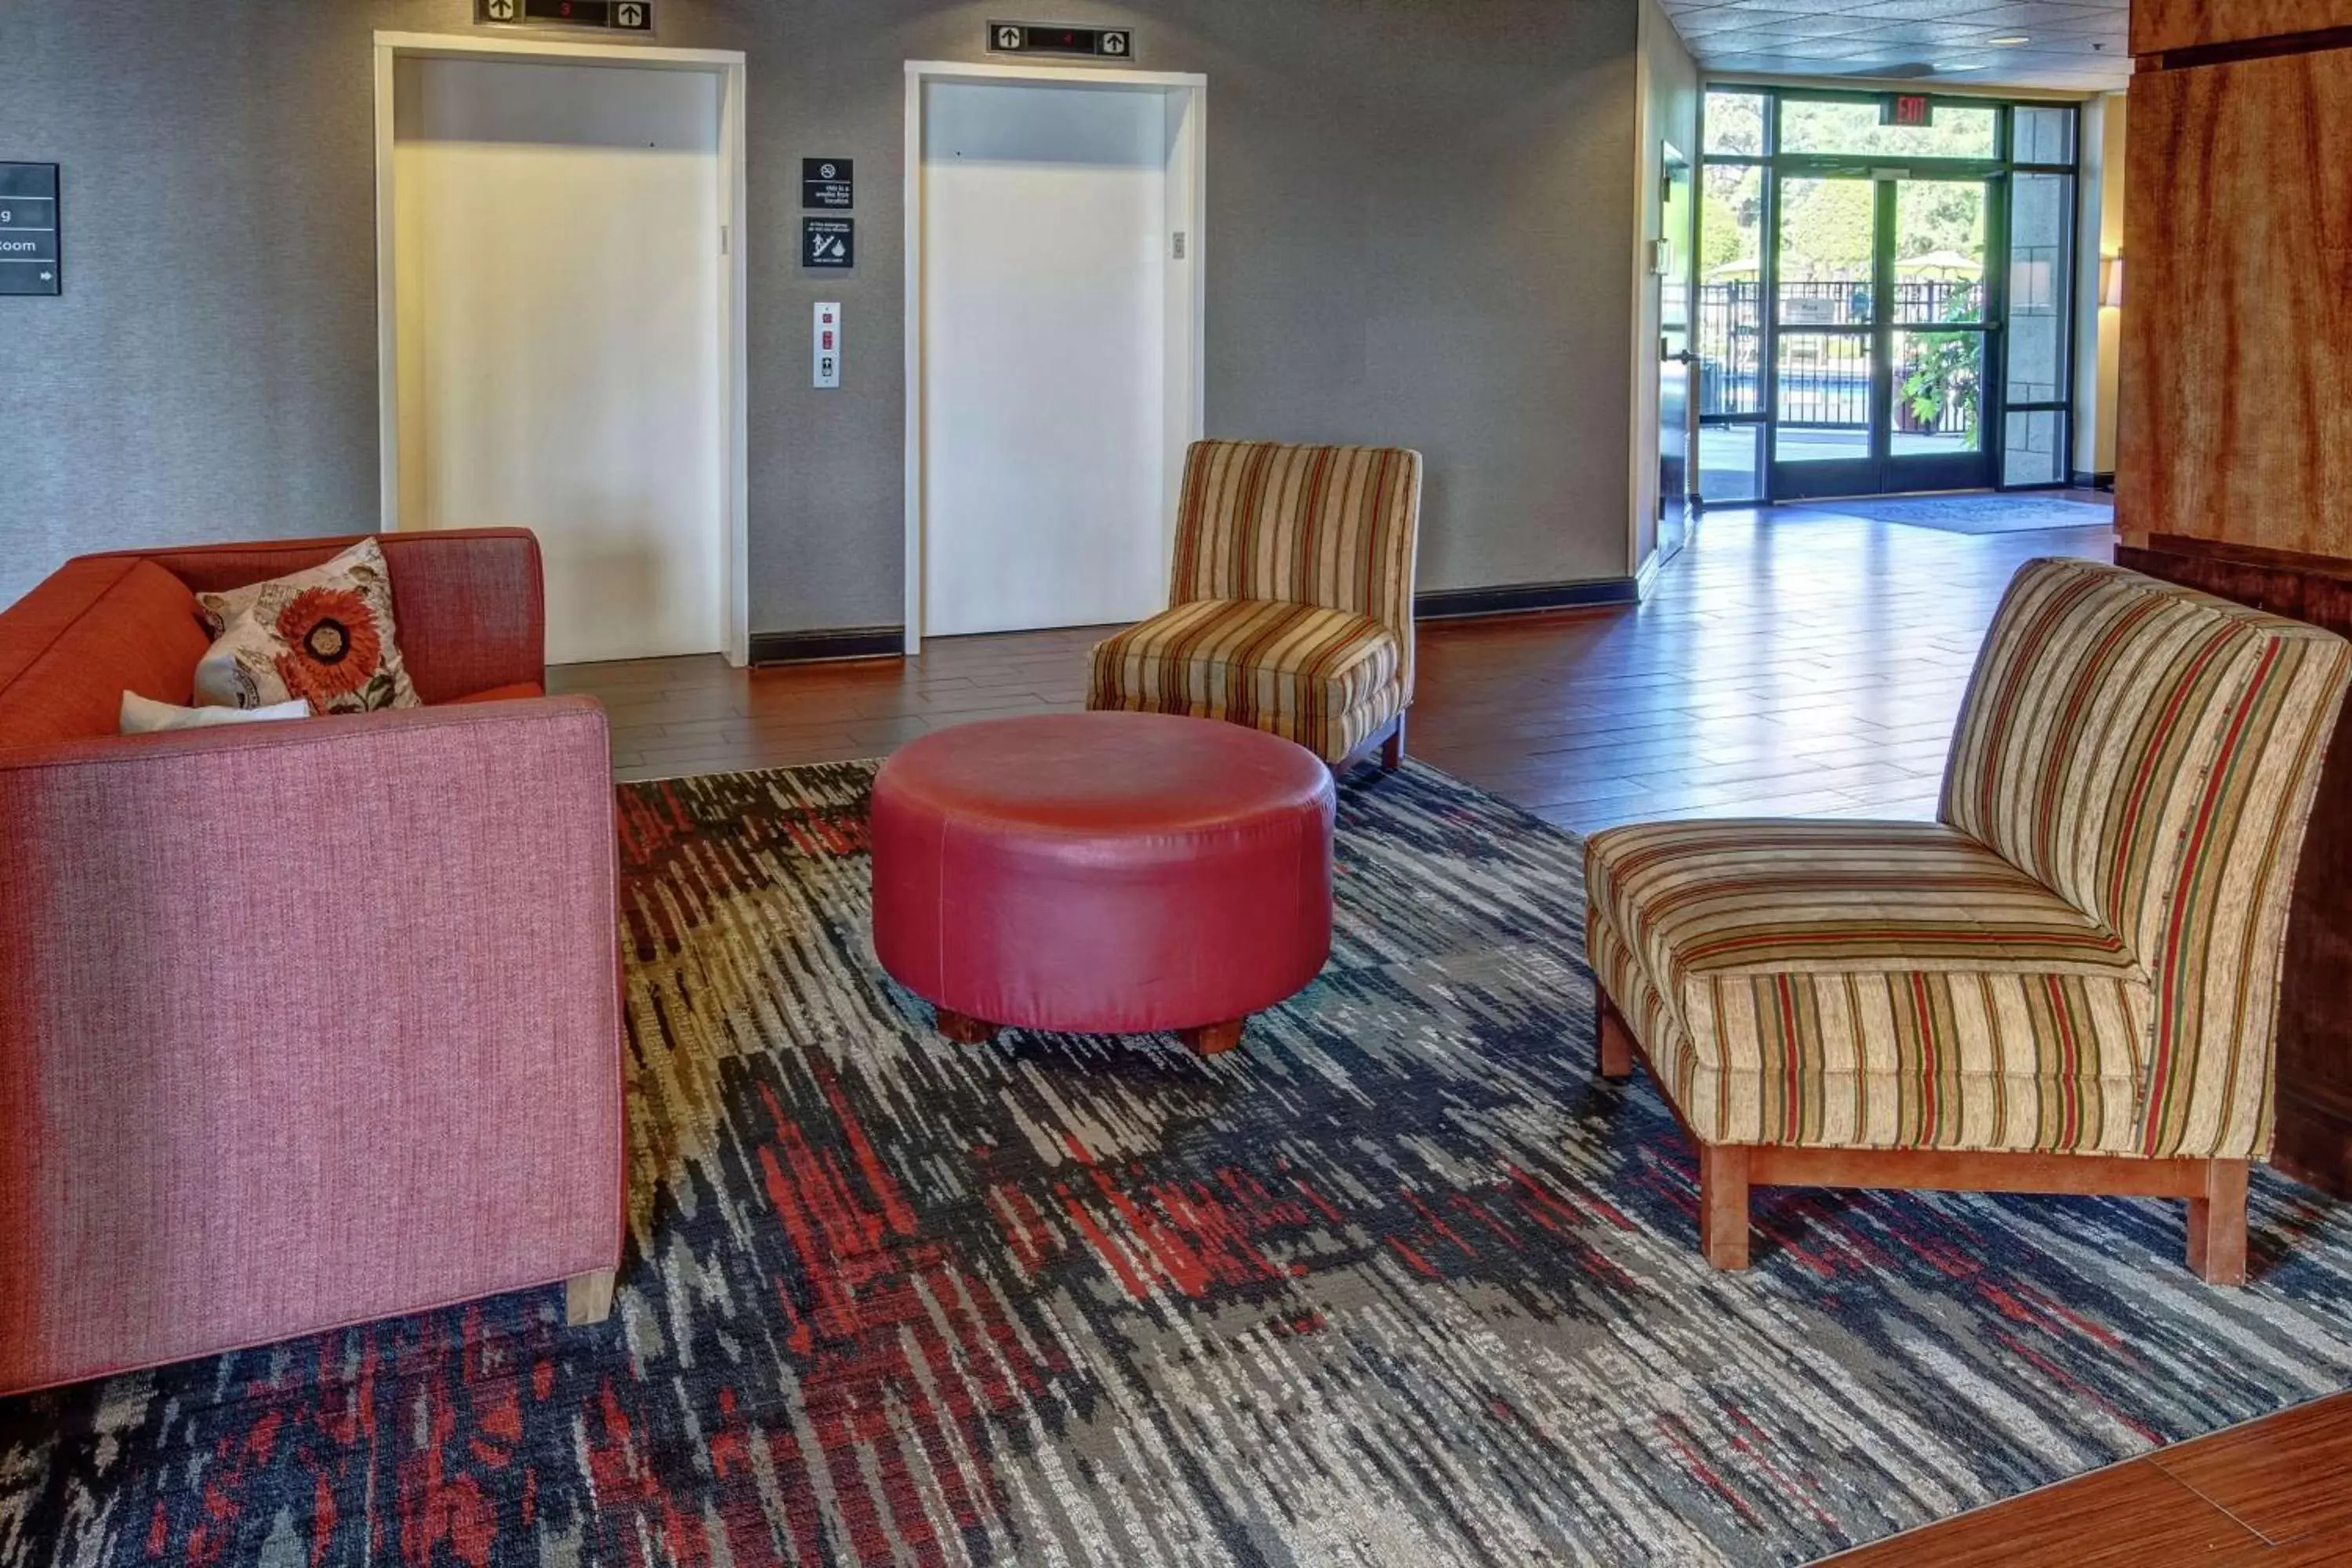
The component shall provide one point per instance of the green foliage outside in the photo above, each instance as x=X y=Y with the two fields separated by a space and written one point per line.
x=1828 y=224
x=1943 y=371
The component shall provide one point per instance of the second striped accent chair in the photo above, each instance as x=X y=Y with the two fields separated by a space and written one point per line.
x=1291 y=603
x=2068 y=983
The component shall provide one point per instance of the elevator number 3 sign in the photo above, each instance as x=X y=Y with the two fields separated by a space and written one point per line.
x=598 y=15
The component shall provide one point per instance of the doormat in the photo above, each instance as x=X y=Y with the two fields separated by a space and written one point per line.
x=1976 y=513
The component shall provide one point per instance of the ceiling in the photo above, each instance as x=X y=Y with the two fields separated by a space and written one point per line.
x=2078 y=44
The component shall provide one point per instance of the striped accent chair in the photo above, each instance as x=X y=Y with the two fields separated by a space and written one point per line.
x=2068 y=983
x=1291 y=608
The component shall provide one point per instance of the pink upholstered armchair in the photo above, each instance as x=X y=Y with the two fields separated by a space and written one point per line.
x=300 y=1023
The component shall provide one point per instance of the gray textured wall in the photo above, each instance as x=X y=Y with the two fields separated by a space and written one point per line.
x=1419 y=230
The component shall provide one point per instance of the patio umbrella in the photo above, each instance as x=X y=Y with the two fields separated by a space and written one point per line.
x=1941 y=263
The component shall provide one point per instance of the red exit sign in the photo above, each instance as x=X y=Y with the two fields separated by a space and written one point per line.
x=1908 y=108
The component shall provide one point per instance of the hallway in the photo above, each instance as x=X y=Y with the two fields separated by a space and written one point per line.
x=1787 y=663
x=1793 y=662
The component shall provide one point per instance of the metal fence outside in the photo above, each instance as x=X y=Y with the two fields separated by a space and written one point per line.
x=1824 y=374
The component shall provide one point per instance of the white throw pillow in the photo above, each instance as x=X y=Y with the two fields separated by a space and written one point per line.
x=145 y=716
x=324 y=635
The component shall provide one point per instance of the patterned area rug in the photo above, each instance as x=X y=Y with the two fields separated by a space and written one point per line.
x=1976 y=514
x=1396 y=1284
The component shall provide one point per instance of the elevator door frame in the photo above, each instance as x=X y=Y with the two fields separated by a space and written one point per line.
x=734 y=359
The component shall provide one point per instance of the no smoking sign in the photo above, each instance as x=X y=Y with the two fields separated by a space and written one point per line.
x=828 y=183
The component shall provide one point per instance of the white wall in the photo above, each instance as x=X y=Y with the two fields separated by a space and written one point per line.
x=2098 y=331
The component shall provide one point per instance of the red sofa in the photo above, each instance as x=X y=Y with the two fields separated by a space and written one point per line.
x=300 y=1023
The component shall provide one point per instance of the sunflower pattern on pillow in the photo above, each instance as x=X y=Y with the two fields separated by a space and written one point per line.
x=324 y=635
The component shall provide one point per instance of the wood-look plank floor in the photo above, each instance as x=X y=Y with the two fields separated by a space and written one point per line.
x=1787 y=663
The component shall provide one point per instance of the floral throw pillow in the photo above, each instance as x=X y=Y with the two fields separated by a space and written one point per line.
x=324 y=636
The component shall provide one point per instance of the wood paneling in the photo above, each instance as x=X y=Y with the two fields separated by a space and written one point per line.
x=2158 y=26
x=2237 y=320
x=2314 y=1050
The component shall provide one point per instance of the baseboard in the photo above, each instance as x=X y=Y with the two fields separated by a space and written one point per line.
x=811 y=647
x=1519 y=598
x=1444 y=605
x=2084 y=480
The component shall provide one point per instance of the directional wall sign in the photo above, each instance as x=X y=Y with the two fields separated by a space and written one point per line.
x=29 y=260
x=826 y=183
x=828 y=242
x=1032 y=38
x=598 y=16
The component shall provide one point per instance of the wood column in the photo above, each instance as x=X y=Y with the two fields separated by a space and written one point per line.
x=2234 y=462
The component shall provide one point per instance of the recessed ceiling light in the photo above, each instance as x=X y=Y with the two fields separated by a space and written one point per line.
x=2011 y=42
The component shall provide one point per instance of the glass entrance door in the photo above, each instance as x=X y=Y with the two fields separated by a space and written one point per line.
x=1936 y=244
x=1883 y=341
x=1676 y=410
x=1829 y=417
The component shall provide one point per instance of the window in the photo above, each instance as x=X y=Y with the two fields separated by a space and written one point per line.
x=2040 y=278
x=1851 y=127
x=1735 y=124
x=1727 y=307
x=1731 y=292
x=1877 y=306
x=2043 y=136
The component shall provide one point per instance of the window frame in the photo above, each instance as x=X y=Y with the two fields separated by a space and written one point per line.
x=1999 y=169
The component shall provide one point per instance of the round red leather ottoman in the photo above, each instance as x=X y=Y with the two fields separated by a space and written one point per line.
x=1106 y=873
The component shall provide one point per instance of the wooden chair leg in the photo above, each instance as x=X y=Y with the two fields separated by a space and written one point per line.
x=1213 y=1039
x=1616 y=1043
x=964 y=1029
x=2217 y=1225
x=1392 y=749
x=588 y=1298
x=1723 y=1205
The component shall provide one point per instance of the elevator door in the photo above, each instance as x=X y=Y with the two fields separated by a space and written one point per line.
x=1045 y=317
x=558 y=288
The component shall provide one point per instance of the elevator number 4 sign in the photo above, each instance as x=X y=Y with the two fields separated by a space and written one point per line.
x=598 y=15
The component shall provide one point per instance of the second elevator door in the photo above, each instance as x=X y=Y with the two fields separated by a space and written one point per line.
x=1043 y=386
